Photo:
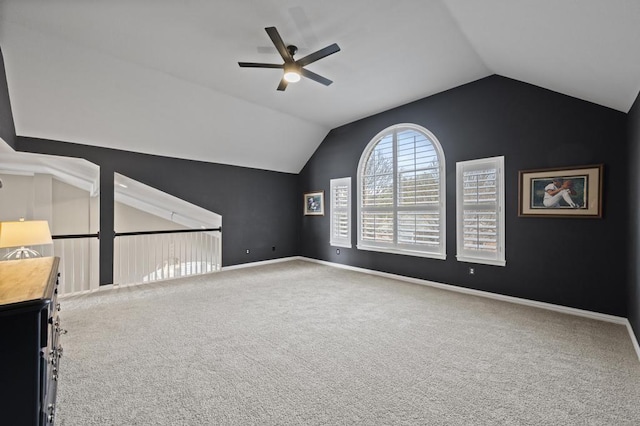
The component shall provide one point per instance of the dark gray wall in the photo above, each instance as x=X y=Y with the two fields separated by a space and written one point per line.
x=260 y=209
x=572 y=262
x=7 y=128
x=633 y=234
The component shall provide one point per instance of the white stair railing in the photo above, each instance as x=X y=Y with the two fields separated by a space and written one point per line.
x=159 y=255
x=79 y=260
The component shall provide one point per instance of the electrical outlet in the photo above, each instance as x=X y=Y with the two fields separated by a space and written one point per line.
x=247 y=251
x=273 y=248
x=337 y=251
x=471 y=271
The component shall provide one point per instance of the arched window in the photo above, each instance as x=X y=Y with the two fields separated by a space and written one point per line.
x=401 y=193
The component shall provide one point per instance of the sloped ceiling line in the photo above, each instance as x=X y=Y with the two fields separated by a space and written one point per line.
x=162 y=77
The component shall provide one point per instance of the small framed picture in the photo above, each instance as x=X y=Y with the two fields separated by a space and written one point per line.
x=561 y=192
x=314 y=203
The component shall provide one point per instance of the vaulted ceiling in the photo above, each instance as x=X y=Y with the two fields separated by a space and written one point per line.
x=161 y=77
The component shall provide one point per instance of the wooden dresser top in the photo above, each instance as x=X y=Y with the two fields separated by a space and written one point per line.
x=26 y=280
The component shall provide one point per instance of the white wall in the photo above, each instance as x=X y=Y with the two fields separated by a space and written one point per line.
x=71 y=210
x=129 y=219
x=16 y=197
x=41 y=197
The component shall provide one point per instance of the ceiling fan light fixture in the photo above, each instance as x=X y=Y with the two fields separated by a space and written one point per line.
x=291 y=74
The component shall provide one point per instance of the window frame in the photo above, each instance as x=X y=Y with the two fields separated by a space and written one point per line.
x=395 y=247
x=333 y=185
x=476 y=256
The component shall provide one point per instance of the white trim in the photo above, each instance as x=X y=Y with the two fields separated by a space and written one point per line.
x=334 y=244
x=392 y=250
x=517 y=300
x=333 y=186
x=492 y=262
x=107 y=287
x=471 y=255
x=489 y=295
x=634 y=340
x=93 y=290
x=442 y=210
x=260 y=263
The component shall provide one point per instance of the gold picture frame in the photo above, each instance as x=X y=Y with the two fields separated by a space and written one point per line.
x=561 y=192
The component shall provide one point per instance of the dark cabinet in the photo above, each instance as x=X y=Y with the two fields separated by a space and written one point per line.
x=30 y=348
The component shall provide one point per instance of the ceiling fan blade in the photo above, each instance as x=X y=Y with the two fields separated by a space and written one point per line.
x=315 y=77
x=279 y=44
x=282 y=85
x=259 y=65
x=329 y=50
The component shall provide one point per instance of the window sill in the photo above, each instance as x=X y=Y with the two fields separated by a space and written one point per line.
x=492 y=262
x=438 y=256
x=343 y=245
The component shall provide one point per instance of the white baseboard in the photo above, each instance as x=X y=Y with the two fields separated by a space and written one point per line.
x=107 y=287
x=542 y=305
x=260 y=263
x=634 y=340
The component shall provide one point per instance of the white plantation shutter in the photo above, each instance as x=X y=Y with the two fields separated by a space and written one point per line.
x=419 y=228
x=377 y=193
x=480 y=211
x=341 y=212
x=401 y=193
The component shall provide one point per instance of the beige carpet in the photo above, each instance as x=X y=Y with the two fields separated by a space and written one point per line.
x=306 y=344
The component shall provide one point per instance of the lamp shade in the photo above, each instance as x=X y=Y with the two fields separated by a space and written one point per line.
x=24 y=233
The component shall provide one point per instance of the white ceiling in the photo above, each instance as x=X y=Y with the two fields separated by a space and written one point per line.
x=161 y=76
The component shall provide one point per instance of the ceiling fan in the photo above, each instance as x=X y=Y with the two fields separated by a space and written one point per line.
x=293 y=69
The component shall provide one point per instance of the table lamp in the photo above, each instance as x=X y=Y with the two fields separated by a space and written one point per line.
x=24 y=233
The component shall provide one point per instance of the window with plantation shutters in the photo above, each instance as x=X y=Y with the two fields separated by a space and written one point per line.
x=340 y=212
x=480 y=211
x=401 y=193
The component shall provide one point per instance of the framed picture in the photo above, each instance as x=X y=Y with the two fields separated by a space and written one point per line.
x=561 y=192
x=314 y=203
